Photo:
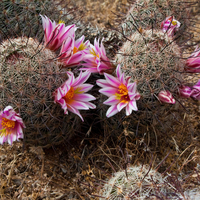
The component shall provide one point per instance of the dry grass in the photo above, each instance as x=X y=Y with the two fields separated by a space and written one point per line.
x=101 y=13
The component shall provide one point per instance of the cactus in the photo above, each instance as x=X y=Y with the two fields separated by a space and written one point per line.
x=21 y=18
x=154 y=61
x=149 y=14
x=151 y=61
x=142 y=182
x=29 y=76
x=136 y=182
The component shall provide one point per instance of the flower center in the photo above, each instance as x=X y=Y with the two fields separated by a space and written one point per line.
x=7 y=125
x=82 y=46
x=122 y=94
x=174 y=23
x=94 y=53
x=75 y=50
x=69 y=94
x=61 y=22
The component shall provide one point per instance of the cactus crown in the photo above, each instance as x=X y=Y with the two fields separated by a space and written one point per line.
x=29 y=76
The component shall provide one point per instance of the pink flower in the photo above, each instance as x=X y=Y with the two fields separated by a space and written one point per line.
x=56 y=34
x=195 y=93
x=193 y=62
x=11 y=126
x=73 y=52
x=185 y=91
x=166 y=97
x=97 y=61
x=121 y=93
x=170 y=25
x=71 y=95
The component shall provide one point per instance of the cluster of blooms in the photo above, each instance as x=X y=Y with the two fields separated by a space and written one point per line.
x=194 y=91
x=170 y=26
x=192 y=65
x=72 y=95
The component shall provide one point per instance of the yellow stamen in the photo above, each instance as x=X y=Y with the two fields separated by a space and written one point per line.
x=61 y=21
x=7 y=125
x=174 y=23
x=122 y=94
x=94 y=53
x=123 y=90
x=69 y=94
x=82 y=46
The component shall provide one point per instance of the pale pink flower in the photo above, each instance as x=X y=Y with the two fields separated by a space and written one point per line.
x=185 y=91
x=97 y=61
x=56 y=34
x=193 y=62
x=11 y=126
x=166 y=97
x=170 y=25
x=73 y=52
x=72 y=94
x=121 y=93
x=195 y=93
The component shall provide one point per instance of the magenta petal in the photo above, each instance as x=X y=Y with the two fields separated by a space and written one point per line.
x=75 y=59
x=82 y=78
x=185 y=91
x=2 y=139
x=111 y=101
x=102 y=83
x=84 y=97
x=112 y=111
x=166 y=97
x=108 y=91
x=128 y=110
x=121 y=105
x=67 y=45
x=112 y=80
x=91 y=70
x=79 y=41
x=11 y=138
x=133 y=105
x=75 y=111
x=79 y=105
x=91 y=105
x=84 y=87
x=132 y=87
x=69 y=31
x=118 y=71
x=58 y=94
x=103 y=51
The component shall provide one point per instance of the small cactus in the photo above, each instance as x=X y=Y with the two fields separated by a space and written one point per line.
x=142 y=182
x=136 y=182
x=29 y=76
x=150 y=59
x=153 y=60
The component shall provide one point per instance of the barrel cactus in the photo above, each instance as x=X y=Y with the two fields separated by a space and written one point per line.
x=143 y=182
x=153 y=59
x=136 y=182
x=29 y=76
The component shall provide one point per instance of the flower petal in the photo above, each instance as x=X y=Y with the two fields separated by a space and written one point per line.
x=112 y=111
